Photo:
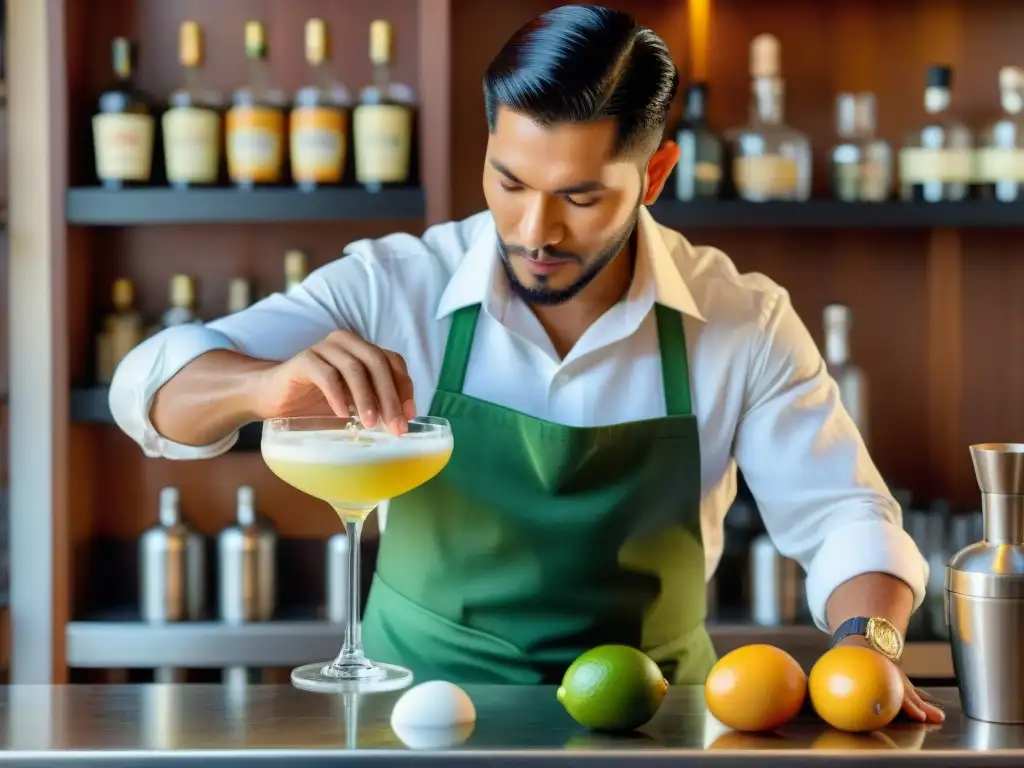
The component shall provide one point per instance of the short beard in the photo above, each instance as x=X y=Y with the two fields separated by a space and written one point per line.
x=546 y=297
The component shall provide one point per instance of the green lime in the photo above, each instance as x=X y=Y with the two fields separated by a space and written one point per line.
x=612 y=688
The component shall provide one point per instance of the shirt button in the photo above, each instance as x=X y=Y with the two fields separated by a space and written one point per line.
x=561 y=379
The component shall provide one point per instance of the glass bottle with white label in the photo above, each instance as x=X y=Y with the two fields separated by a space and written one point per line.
x=849 y=377
x=770 y=160
x=124 y=127
x=999 y=158
x=318 y=129
x=936 y=160
x=383 y=121
x=192 y=124
x=256 y=120
x=701 y=154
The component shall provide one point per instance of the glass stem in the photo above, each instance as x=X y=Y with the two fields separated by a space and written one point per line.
x=352 y=650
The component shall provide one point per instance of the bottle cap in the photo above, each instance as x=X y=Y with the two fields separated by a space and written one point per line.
x=238 y=294
x=764 y=56
x=846 y=115
x=316 y=41
x=183 y=292
x=294 y=265
x=121 y=53
x=836 y=314
x=255 y=40
x=864 y=120
x=169 y=514
x=939 y=76
x=190 y=45
x=1009 y=78
x=245 y=499
x=380 y=41
x=123 y=294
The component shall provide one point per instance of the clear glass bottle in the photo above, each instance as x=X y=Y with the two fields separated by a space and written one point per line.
x=876 y=164
x=936 y=159
x=123 y=127
x=192 y=124
x=318 y=127
x=999 y=158
x=383 y=121
x=845 y=158
x=256 y=120
x=701 y=150
x=770 y=160
x=122 y=331
x=849 y=377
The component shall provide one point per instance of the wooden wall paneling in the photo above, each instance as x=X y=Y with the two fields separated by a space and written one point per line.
x=435 y=69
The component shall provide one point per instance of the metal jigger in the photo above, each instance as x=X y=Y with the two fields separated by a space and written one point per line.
x=984 y=595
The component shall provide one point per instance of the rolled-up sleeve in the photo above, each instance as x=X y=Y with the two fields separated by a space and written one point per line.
x=823 y=501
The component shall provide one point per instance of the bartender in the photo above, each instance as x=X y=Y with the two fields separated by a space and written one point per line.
x=604 y=378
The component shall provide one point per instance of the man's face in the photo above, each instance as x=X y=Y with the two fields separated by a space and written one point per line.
x=564 y=205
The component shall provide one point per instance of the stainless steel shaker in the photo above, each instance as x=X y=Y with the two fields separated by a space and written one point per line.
x=777 y=594
x=337 y=578
x=247 y=565
x=984 y=593
x=172 y=567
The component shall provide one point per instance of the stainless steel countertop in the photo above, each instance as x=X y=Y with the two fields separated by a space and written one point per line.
x=174 y=725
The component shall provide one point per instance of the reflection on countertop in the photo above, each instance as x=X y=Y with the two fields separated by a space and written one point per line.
x=515 y=725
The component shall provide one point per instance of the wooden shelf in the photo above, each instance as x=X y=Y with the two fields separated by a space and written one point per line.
x=834 y=214
x=151 y=205
x=92 y=405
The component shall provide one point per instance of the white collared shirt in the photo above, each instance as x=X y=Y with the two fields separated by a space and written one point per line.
x=760 y=390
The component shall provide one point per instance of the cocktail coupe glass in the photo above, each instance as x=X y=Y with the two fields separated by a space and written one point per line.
x=354 y=468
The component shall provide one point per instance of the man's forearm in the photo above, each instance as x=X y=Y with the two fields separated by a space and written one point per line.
x=869 y=595
x=208 y=399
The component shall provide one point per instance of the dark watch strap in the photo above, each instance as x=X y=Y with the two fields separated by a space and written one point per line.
x=858 y=625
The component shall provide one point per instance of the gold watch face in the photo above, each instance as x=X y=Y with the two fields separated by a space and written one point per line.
x=885 y=637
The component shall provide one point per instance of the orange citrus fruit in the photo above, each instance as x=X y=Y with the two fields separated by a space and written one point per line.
x=755 y=688
x=855 y=689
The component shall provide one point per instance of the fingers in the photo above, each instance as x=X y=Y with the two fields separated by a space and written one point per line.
x=917 y=708
x=328 y=380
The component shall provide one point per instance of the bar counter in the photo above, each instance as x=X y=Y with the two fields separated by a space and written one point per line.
x=186 y=725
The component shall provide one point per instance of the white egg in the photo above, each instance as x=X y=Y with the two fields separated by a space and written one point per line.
x=436 y=704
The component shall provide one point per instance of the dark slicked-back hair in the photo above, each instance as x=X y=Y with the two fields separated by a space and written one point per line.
x=582 y=63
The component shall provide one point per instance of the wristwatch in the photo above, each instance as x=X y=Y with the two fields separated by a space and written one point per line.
x=880 y=634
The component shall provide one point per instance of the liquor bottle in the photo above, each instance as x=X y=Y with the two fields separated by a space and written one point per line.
x=771 y=160
x=382 y=123
x=294 y=269
x=936 y=159
x=191 y=127
x=183 y=302
x=701 y=151
x=999 y=158
x=122 y=331
x=861 y=163
x=172 y=565
x=845 y=156
x=850 y=378
x=318 y=127
x=256 y=121
x=239 y=294
x=124 y=127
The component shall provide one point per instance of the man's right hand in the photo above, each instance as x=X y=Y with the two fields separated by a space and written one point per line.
x=342 y=375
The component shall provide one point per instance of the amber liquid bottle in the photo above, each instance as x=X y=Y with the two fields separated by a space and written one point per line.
x=124 y=127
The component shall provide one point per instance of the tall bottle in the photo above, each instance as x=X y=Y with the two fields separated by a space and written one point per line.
x=192 y=124
x=936 y=159
x=770 y=160
x=122 y=331
x=247 y=565
x=256 y=120
x=999 y=158
x=383 y=121
x=172 y=567
x=850 y=378
x=123 y=128
x=294 y=269
x=318 y=131
x=701 y=150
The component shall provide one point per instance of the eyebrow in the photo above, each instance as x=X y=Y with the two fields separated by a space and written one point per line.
x=576 y=189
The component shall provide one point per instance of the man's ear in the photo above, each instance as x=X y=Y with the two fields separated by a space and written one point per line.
x=659 y=167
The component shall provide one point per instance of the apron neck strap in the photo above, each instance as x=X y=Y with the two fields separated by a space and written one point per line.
x=675 y=368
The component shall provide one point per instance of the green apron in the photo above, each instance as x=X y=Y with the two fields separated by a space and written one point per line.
x=539 y=541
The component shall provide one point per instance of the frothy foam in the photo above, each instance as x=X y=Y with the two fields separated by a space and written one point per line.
x=336 y=446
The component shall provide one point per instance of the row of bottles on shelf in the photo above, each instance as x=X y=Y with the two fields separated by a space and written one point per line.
x=124 y=328
x=264 y=137
x=173 y=568
x=768 y=160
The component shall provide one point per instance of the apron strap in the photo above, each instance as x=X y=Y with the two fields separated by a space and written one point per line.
x=675 y=368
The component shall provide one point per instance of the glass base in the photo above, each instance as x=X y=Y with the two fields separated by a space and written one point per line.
x=369 y=677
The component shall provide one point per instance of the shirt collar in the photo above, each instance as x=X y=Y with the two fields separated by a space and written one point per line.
x=480 y=278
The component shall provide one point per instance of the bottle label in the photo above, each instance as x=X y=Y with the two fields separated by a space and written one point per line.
x=191 y=145
x=383 y=135
x=709 y=173
x=318 y=142
x=921 y=164
x=766 y=177
x=995 y=164
x=875 y=180
x=255 y=136
x=123 y=145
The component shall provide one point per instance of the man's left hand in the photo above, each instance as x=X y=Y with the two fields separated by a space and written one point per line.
x=914 y=705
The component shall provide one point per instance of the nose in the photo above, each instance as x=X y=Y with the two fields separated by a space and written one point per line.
x=540 y=226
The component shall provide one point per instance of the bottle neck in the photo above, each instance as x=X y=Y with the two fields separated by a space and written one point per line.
x=837 y=345
x=936 y=100
x=696 y=106
x=767 y=103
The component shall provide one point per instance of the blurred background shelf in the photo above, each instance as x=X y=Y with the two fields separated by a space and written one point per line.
x=99 y=206
x=92 y=405
x=835 y=214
